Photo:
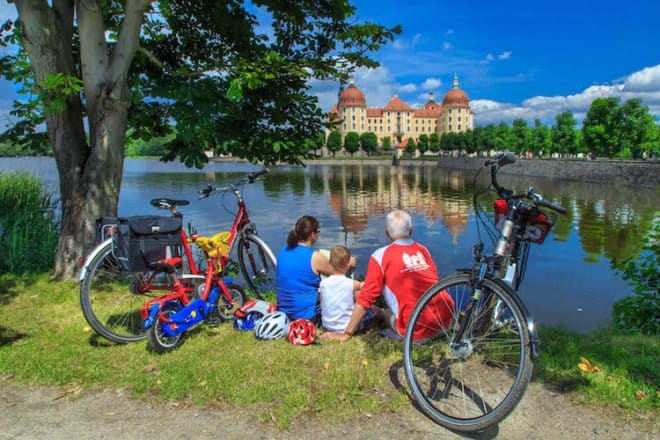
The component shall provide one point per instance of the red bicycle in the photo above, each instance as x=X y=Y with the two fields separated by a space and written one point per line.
x=112 y=293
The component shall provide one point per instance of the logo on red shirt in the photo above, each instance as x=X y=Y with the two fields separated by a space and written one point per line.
x=414 y=263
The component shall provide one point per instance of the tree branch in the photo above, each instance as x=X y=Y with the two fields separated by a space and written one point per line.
x=157 y=62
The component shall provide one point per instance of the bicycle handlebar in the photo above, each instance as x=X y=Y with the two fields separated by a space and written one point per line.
x=205 y=192
x=506 y=159
x=501 y=159
x=254 y=176
x=543 y=202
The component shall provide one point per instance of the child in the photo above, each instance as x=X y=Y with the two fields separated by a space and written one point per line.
x=338 y=293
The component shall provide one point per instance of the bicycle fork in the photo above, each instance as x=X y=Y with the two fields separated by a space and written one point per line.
x=498 y=318
x=461 y=347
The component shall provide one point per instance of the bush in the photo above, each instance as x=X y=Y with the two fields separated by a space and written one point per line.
x=640 y=312
x=30 y=231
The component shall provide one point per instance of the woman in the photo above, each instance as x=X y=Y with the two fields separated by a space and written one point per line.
x=299 y=268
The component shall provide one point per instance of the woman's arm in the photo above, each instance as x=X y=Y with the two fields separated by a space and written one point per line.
x=321 y=264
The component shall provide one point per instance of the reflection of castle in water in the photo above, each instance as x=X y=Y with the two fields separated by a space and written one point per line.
x=357 y=192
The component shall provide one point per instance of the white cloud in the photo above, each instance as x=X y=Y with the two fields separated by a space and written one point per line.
x=407 y=88
x=643 y=84
x=488 y=59
x=416 y=39
x=432 y=84
x=446 y=45
x=449 y=32
x=646 y=80
x=398 y=44
x=504 y=55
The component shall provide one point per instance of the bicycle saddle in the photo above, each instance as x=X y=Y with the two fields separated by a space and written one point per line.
x=164 y=203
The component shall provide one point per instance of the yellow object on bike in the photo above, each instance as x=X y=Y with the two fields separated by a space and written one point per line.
x=216 y=246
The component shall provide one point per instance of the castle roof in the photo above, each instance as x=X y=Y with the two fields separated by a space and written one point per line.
x=397 y=105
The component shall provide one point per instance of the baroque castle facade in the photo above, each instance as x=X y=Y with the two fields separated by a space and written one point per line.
x=400 y=122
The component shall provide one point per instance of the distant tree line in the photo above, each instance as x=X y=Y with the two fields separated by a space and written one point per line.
x=610 y=129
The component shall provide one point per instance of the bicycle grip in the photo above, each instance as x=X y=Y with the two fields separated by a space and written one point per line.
x=502 y=159
x=560 y=209
x=253 y=176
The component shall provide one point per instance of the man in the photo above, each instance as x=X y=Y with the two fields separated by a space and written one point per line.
x=402 y=271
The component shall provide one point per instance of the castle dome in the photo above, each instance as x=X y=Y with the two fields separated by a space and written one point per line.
x=351 y=96
x=455 y=97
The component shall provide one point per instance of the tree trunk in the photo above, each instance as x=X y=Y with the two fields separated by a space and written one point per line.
x=90 y=191
x=90 y=175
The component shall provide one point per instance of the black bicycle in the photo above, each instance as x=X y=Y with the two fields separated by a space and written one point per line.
x=472 y=373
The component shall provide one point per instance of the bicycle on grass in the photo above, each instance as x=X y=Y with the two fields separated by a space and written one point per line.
x=167 y=318
x=112 y=295
x=473 y=372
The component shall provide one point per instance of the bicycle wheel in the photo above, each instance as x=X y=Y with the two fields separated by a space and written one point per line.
x=226 y=309
x=159 y=342
x=258 y=265
x=111 y=298
x=478 y=382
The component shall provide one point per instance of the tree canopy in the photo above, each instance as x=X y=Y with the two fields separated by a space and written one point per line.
x=226 y=75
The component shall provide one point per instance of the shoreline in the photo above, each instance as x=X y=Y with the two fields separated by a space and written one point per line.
x=603 y=171
x=622 y=172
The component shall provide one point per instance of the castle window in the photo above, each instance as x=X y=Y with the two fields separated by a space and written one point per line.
x=354 y=126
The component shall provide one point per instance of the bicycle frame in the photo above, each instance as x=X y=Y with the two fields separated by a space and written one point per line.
x=511 y=250
x=193 y=311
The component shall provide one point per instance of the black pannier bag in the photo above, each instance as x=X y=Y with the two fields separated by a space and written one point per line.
x=141 y=240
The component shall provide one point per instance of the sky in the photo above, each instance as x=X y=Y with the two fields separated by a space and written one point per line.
x=514 y=59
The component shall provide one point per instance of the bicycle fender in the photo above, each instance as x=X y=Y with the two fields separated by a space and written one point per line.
x=533 y=336
x=149 y=320
x=90 y=257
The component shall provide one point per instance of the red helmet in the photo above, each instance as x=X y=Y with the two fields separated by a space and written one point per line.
x=301 y=332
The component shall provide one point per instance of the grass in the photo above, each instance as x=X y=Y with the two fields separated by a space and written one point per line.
x=44 y=340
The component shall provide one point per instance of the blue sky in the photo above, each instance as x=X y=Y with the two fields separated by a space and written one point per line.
x=514 y=59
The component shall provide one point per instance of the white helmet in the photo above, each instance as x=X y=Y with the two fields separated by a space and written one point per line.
x=272 y=326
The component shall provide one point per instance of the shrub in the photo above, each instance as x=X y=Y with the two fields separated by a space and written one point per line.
x=640 y=312
x=30 y=231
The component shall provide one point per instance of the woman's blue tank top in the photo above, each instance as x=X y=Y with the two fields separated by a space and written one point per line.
x=297 y=284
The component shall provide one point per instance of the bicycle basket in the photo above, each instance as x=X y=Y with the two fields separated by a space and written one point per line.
x=141 y=240
x=538 y=223
x=538 y=226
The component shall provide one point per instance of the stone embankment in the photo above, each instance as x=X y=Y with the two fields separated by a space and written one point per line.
x=634 y=173
x=621 y=172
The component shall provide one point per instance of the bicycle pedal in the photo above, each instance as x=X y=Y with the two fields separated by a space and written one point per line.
x=213 y=322
x=213 y=319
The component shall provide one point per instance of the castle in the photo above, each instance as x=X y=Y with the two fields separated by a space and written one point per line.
x=400 y=122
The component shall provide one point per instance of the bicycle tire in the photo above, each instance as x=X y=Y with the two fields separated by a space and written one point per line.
x=158 y=342
x=258 y=268
x=238 y=299
x=111 y=299
x=475 y=386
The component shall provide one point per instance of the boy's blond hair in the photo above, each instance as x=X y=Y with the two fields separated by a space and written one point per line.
x=340 y=256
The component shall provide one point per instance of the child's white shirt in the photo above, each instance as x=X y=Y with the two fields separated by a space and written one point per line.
x=337 y=302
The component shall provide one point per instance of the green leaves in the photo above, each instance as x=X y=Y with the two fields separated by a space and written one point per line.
x=55 y=90
x=640 y=312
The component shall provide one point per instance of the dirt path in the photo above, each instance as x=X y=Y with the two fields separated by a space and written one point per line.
x=50 y=413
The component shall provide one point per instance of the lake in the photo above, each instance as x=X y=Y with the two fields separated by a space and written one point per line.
x=568 y=282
